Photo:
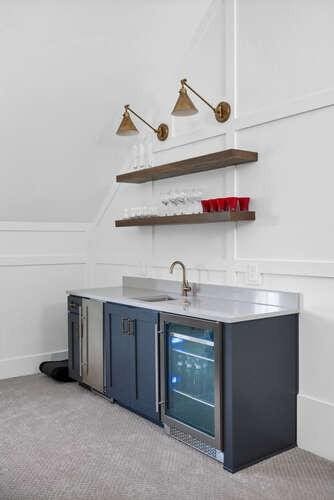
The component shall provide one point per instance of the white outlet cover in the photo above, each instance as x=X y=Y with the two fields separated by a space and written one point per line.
x=253 y=275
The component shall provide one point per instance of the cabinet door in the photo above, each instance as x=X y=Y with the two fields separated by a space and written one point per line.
x=144 y=369
x=74 y=332
x=118 y=348
x=131 y=341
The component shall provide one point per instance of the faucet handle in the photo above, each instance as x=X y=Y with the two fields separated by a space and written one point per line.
x=187 y=286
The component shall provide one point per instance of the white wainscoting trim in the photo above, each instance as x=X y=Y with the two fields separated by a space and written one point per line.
x=190 y=138
x=41 y=260
x=304 y=104
x=288 y=109
x=114 y=262
x=314 y=416
x=58 y=227
x=316 y=269
x=19 y=366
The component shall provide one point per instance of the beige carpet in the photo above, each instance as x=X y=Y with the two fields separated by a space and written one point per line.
x=59 y=441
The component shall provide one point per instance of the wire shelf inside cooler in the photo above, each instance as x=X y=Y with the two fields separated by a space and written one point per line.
x=201 y=401
x=185 y=353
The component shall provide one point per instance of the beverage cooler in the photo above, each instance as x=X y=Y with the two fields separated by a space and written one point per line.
x=191 y=382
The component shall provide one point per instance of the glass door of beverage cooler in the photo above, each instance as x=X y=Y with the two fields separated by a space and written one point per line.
x=191 y=377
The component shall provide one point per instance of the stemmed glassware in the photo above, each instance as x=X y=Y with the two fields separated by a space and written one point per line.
x=185 y=201
x=172 y=202
x=197 y=196
x=164 y=199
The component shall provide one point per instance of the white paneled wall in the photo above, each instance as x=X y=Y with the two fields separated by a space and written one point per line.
x=276 y=73
x=38 y=262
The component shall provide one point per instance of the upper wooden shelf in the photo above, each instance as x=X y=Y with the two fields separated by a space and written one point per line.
x=212 y=161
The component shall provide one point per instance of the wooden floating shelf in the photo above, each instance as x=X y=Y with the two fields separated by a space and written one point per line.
x=187 y=219
x=204 y=163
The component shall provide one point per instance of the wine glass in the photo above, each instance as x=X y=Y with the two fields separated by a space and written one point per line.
x=165 y=201
x=197 y=197
x=182 y=198
x=175 y=201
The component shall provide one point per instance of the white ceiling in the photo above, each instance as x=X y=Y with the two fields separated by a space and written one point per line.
x=67 y=68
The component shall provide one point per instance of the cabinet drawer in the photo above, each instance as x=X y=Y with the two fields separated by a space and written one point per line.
x=132 y=312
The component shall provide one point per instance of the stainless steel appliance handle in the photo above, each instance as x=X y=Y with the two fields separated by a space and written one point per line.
x=192 y=339
x=80 y=341
x=87 y=340
x=156 y=358
x=131 y=326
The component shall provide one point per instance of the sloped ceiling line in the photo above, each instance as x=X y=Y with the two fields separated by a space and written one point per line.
x=199 y=33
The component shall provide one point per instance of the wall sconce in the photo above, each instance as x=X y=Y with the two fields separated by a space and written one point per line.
x=185 y=107
x=127 y=127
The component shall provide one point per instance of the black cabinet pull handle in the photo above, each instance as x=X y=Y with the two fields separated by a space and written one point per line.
x=131 y=327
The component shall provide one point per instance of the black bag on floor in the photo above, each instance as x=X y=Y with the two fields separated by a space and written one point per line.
x=57 y=370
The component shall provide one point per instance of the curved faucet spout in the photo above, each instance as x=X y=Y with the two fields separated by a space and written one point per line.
x=185 y=283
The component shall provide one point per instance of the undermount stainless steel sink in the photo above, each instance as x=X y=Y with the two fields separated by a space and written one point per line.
x=160 y=298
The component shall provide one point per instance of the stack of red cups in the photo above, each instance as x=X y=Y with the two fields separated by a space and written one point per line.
x=231 y=203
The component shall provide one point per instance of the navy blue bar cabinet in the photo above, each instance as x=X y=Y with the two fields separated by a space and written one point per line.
x=227 y=389
x=260 y=379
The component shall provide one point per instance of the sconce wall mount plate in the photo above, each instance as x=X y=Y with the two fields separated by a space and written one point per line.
x=222 y=111
x=162 y=132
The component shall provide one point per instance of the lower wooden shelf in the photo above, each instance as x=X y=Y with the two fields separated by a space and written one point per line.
x=187 y=219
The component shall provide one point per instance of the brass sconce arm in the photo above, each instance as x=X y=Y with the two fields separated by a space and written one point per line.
x=127 y=108
x=185 y=84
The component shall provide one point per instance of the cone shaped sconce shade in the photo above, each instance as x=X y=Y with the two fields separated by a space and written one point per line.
x=127 y=127
x=184 y=105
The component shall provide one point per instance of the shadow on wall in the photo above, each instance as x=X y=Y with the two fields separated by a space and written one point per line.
x=54 y=329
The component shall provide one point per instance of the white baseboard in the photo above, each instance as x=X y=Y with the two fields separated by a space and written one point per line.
x=316 y=426
x=27 y=365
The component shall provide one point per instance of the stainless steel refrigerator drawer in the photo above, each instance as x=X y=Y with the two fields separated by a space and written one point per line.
x=92 y=365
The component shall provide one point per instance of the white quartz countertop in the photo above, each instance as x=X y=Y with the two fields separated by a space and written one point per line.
x=213 y=308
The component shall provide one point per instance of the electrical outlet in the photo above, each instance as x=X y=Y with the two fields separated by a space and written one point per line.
x=253 y=275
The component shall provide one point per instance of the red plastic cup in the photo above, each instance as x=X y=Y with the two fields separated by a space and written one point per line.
x=213 y=205
x=205 y=205
x=232 y=203
x=244 y=203
x=221 y=204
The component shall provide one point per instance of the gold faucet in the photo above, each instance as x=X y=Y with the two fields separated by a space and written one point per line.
x=185 y=283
